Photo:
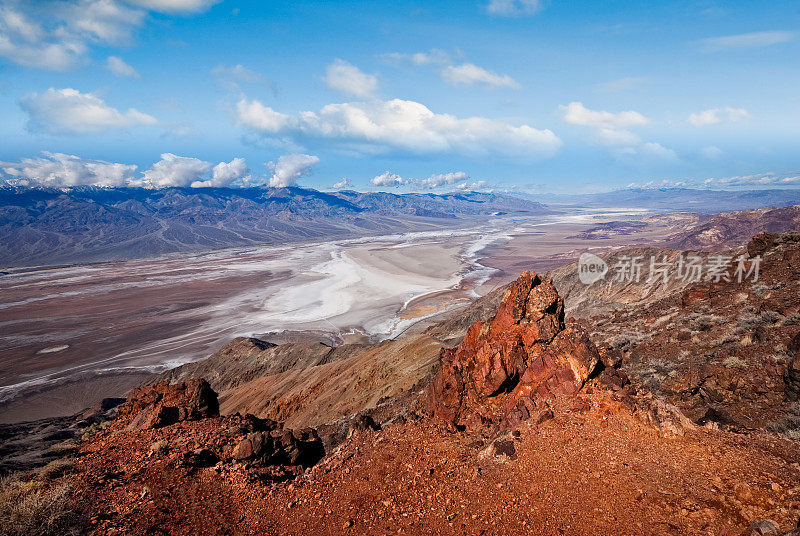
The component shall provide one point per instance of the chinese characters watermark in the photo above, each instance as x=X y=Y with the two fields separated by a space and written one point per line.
x=660 y=269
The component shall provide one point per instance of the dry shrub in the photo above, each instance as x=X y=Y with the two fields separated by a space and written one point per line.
x=37 y=508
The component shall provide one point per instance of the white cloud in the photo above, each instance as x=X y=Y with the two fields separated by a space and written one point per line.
x=715 y=116
x=225 y=173
x=63 y=170
x=289 y=168
x=514 y=8
x=341 y=184
x=68 y=111
x=103 y=21
x=611 y=129
x=117 y=65
x=443 y=179
x=58 y=35
x=747 y=40
x=711 y=152
x=58 y=169
x=173 y=170
x=470 y=75
x=437 y=180
x=478 y=185
x=25 y=41
x=350 y=80
x=577 y=114
x=175 y=6
x=760 y=179
x=434 y=56
x=400 y=125
x=388 y=179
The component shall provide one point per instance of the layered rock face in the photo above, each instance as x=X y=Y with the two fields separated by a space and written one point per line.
x=514 y=366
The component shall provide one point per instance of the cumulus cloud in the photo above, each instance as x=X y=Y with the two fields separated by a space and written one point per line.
x=470 y=75
x=344 y=183
x=747 y=40
x=437 y=180
x=68 y=111
x=399 y=125
x=760 y=179
x=577 y=114
x=289 y=168
x=63 y=170
x=514 y=8
x=100 y=21
x=58 y=169
x=225 y=173
x=443 y=179
x=612 y=129
x=58 y=36
x=478 y=185
x=173 y=170
x=388 y=179
x=350 y=80
x=117 y=65
x=715 y=116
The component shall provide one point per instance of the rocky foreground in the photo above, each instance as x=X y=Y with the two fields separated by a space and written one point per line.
x=522 y=422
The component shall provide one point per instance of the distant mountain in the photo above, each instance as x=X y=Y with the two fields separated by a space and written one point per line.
x=54 y=226
x=732 y=229
x=676 y=199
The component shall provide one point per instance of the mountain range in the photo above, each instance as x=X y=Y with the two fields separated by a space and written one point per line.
x=59 y=226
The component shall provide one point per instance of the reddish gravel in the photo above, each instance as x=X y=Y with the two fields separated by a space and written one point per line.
x=596 y=472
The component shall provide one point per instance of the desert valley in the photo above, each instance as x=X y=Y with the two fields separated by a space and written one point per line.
x=502 y=267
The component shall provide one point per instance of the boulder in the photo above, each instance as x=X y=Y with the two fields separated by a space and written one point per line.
x=162 y=404
x=280 y=447
x=511 y=367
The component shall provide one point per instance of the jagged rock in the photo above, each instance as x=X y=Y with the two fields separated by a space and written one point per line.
x=764 y=528
x=610 y=357
x=509 y=368
x=280 y=447
x=501 y=447
x=156 y=406
x=661 y=415
x=200 y=458
x=763 y=242
x=793 y=370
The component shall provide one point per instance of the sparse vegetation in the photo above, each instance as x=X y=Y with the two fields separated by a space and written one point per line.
x=160 y=447
x=759 y=290
x=748 y=322
x=56 y=469
x=789 y=426
x=734 y=362
x=37 y=508
x=792 y=320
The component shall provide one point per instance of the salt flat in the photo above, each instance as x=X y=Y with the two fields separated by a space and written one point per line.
x=110 y=324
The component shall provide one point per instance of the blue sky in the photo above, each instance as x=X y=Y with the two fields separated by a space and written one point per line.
x=540 y=96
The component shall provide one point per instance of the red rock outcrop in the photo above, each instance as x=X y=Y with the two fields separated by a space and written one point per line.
x=156 y=406
x=513 y=366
